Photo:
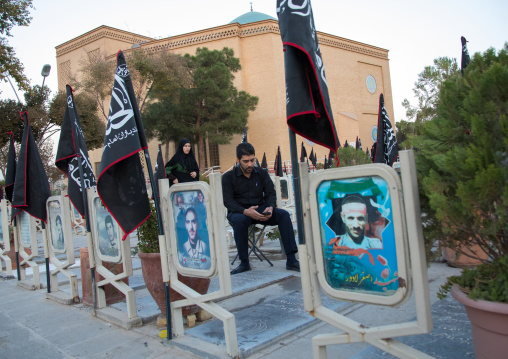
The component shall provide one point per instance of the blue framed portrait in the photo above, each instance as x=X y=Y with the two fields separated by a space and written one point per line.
x=360 y=236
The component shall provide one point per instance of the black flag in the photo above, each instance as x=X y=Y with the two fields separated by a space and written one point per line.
x=346 y=145
x=121 y=182
x=303 y=154
x=31 y=187
x=263 y=161
x=10 y=174
x=311 y=157
x=160 y=171
x=278 y=159
x=244 y=135
x=70 y=147
x=307 y=101
x=386 y=145
x=326 y=166
x=465 y=55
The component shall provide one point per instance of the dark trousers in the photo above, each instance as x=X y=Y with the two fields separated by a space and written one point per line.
x=280 y=217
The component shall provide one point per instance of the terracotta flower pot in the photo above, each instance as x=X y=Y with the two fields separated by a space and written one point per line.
x=489 y=323
x=152 y=275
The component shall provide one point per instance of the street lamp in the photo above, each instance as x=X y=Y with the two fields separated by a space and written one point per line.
x=45 y=72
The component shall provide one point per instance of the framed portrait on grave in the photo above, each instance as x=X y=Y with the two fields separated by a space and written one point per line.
x=56 y=224
x=359 y=234
x=27 y=230
x=106 y=232
x=191 y=233
x=4 y=225
x=284 y=190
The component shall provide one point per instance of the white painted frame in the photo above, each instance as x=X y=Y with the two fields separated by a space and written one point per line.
x=171 y=233
x=110 y=278
x=380 y=336
x=24 y=257
x=4 y=239
x=394 y=189
x=170 y=271
x=62 y=267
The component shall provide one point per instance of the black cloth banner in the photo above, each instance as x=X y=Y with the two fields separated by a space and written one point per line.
x=71 y=146
x=264 y=164
x=465 y=55
x=160 y=171
x=244 y=135
x=387 y=150
x=303 y=153
x=278 y=159
x=121 y=182
x=10 y=174
x=31 y=187
x=307 y=101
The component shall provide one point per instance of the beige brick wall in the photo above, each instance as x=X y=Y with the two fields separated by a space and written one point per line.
x=259 y=47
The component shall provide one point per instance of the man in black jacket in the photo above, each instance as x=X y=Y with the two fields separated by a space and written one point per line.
x=249 y=196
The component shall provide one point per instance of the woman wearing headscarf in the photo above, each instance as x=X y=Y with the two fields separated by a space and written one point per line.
x=183 y=166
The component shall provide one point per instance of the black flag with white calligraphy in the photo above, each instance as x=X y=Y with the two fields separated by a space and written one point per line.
x=71 y=147
x=10 y=174
x=307 y=101
x=31 y=186
x=465 y=55
x=121 y=182
x=387 y=150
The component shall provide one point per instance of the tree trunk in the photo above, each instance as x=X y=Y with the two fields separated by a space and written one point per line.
x=201 y=146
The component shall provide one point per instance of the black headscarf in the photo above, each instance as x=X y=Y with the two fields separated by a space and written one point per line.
x=181 y=165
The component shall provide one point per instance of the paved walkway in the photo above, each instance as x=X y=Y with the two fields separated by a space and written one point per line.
x=268 y=307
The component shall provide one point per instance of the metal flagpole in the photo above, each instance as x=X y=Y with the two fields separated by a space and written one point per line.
x=91 y=252
x=296 y=186
x=46 y=255
x=16 y=246
x=155 y=193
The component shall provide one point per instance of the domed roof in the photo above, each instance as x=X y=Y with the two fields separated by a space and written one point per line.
x=251 y=16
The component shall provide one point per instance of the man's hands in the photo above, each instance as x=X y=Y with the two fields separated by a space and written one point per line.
x=252 y=213
x=193 y=174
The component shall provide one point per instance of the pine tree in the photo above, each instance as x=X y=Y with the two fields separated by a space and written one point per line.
x=463 y=163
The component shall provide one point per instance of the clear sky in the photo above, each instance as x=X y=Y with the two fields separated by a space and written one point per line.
x=414 y=32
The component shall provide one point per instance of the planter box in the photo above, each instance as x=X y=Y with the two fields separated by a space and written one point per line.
x=489 y=323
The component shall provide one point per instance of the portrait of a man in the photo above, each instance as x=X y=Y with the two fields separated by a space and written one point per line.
x=191 y=232
x=357 y=237
x=355 y=218
x=108 y=245
x=1 y=227
x=57 y=238
x=194 y=246
x=25 y=229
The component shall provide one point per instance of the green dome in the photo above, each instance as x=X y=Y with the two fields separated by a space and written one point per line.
x=251 y=16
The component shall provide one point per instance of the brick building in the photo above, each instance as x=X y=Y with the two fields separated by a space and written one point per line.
x=356 y=74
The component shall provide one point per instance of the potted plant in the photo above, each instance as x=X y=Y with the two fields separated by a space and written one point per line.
x=149 y=254
x=463 y=177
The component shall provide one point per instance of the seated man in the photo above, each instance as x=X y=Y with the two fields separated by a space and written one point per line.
x=249 y=196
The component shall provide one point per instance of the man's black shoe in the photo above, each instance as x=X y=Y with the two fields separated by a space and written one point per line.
x=293 y=266
x=241 y=268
